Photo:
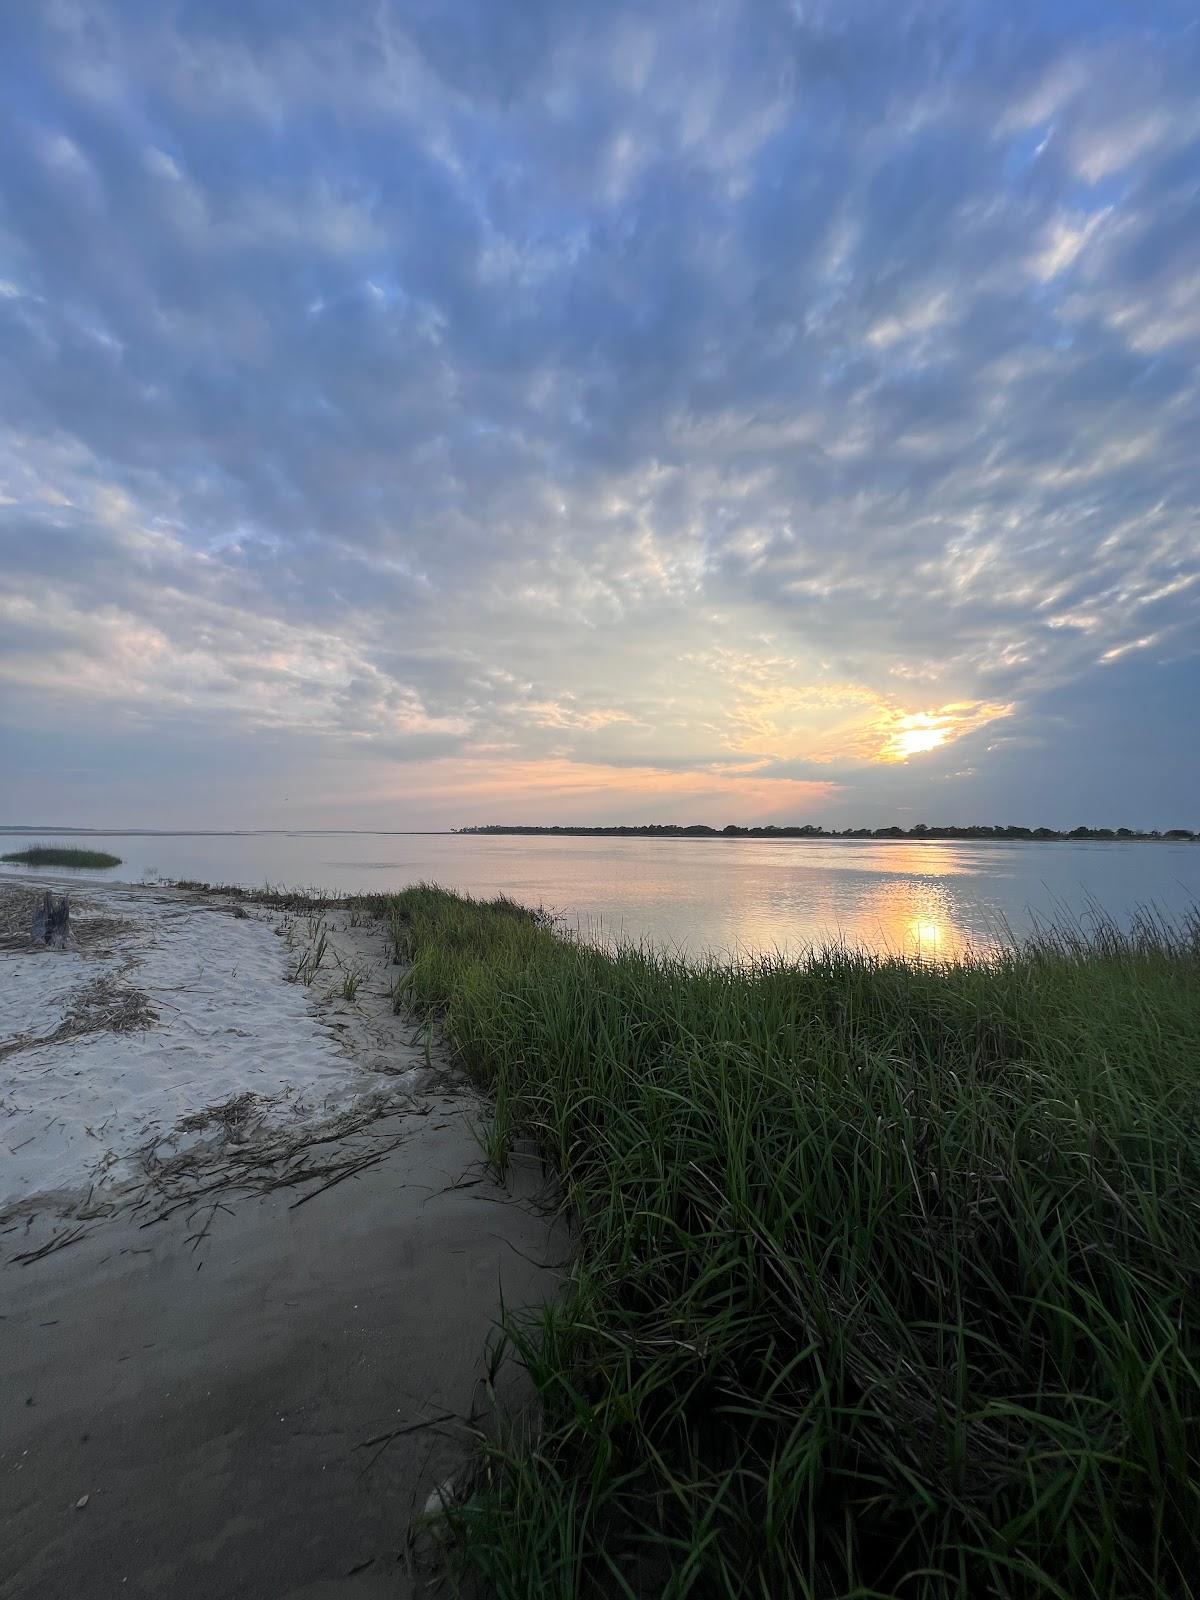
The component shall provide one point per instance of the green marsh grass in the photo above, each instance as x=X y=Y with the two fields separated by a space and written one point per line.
x=309 y=964
x=886 y=1273
x=54 y=855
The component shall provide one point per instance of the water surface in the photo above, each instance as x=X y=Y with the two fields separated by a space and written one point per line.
x=720 y=895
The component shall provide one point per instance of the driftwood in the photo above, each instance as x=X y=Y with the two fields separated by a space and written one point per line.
x=52 y=921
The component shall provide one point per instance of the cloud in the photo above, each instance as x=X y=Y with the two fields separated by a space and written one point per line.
x=599 y=397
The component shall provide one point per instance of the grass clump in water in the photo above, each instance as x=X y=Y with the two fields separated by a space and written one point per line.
x=887 y=1272
x=57 y=855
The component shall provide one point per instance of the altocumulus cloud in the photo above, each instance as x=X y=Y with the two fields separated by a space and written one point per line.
x=478 y=411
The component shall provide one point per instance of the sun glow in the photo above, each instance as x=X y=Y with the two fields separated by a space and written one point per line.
x=915 y=913
x=916 y=733
x=924 y=936
x=912 y=741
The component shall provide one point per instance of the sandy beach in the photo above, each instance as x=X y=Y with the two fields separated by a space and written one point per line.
x=249 y=1256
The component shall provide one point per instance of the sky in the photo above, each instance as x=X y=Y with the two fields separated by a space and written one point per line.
x=476 y=411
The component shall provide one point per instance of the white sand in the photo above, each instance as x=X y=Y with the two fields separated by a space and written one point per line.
x=85 y=1110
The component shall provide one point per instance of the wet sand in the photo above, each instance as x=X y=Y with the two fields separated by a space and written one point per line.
x=187 y=1405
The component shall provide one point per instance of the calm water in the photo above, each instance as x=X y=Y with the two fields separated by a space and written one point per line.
x=708 y=895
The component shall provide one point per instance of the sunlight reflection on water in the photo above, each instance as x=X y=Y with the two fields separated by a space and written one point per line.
x=730 y=897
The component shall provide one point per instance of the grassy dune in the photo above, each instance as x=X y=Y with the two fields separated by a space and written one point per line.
x=887 y=1277
x=57 y=855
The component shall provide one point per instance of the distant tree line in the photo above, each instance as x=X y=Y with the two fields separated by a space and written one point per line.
x=922 y=830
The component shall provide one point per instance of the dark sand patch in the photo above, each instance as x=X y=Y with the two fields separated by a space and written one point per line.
x=242 y=1372
x=212 y=1391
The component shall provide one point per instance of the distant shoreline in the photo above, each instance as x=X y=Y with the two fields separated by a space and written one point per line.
x=920 y=833
x=969 y=833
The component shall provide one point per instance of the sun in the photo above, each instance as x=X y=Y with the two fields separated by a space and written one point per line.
x=915 y=734
x=913 y=741
x=896 y=735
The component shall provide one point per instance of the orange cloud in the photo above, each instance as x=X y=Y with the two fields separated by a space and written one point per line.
x=558 y=790
x=775 y=716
